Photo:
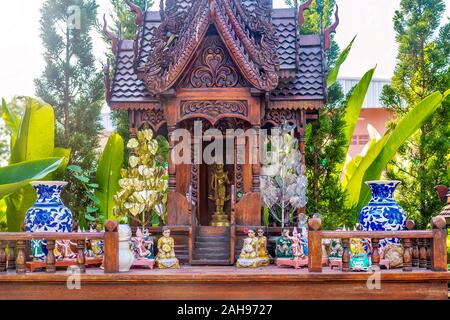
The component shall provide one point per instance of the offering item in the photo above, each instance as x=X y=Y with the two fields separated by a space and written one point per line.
x=359 y=260
x=166 y=253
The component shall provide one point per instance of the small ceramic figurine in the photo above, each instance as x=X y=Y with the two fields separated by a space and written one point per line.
x=284 y=245
x=142 y=246
x=297 y=247
x=37 y=250
x=336 y=249
x=63 y=250
x=249 y=253
x=166 y=252
x=96 y=247
x=263 y=255
x=290 y=250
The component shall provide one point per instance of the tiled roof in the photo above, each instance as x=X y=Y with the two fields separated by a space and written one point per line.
x=298 y=80
x=308 y=82
x=126 y=86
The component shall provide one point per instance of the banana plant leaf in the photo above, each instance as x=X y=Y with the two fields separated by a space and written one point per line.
x=35 y=140
x=333 y=74
x=16 y=176
x=36 y=136
x=108 y=174
x=12 y=121
x=407 y=126
x=354 y=105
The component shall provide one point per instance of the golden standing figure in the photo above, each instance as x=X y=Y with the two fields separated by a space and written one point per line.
x=219 y=181
x=166 y=252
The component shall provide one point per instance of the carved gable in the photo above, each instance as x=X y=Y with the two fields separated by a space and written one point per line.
x=212 y=67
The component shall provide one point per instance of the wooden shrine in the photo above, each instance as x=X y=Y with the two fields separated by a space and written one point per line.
x=229 y=64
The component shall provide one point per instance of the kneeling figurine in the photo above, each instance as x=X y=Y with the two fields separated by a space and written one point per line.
x=166 y=252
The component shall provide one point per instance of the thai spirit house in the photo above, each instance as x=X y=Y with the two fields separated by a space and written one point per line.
x=230 y=64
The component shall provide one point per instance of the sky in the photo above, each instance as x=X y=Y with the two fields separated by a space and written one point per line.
x=21 y=49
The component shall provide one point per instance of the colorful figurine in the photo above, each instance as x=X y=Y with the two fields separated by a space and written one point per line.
x=263 y=255
x=166 y=252
x=284 y=245
x=249 y=253
x=37 y=251
x=142 y=247
x=63 y=250
x=290 y=250
x=297 y=247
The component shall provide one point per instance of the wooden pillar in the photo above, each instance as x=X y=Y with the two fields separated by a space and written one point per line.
x=111 y=244
x=256 y=166
x=11 y=265
x=3 y=256
x=415 y=254
x=375 y=251
x=408 y=249
x=429 y=254
x=314 y=245
x=50 y=266
x=346 y=255
x=81 y=260
x=172 y=167
x=439 y=244
x=20 y=257
x=132 y=123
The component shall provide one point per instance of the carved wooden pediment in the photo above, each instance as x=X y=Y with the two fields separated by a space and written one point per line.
x=213 y=68
x=214 y=110
x=250 y=39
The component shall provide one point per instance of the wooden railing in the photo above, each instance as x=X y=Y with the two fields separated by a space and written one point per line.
x=17 y=244
x=422 y=248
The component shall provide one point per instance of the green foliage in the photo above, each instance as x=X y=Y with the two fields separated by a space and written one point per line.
x=381 y=152
x=108 y=174
x=354 y=105
x=88 y=210
x=14 y=177
x=72 y=84
x=333 y=73
x=34 y=140
x=422 y=67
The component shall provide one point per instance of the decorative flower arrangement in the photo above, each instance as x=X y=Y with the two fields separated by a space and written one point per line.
x=283 y=180
x=143 y=185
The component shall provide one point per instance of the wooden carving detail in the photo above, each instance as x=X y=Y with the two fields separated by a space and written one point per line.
x=280 y=116
x=214 y=68
x=213 y=109
x=154 y=117
x=251 y=39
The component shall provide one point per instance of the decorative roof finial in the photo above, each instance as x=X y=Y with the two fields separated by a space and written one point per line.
x=107 y=81
x=137 y=11
x=331 y=29
x=301 y=10
x=111 y=36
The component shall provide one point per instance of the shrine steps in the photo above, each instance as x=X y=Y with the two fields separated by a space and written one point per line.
x=212 y=246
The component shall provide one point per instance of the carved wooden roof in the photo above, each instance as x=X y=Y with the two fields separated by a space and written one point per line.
x=264 y=44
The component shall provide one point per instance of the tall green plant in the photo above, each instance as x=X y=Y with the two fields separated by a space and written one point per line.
x=108 y=174
x=33 y=139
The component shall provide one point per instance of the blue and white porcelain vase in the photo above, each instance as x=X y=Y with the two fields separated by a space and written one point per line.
x=383 y=213
x=48 y=212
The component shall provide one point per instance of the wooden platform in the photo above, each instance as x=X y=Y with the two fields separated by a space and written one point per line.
x=227 y=283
